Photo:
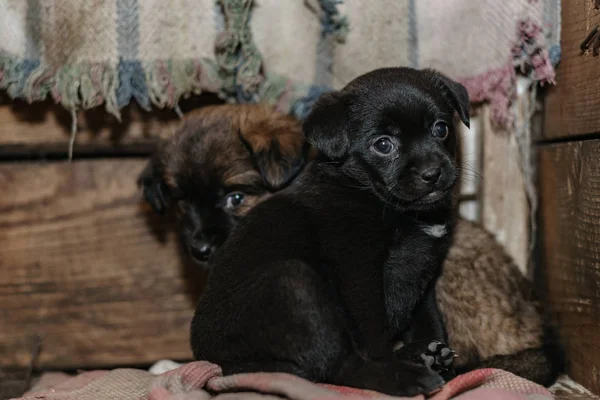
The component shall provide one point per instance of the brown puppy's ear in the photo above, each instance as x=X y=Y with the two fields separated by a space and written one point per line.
x=456 y=93
x=325 y=126
x=277 y=145
x=156 y=192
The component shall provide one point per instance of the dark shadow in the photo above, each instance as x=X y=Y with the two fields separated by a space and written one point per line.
x=195 y=275
x=163 y=228
x=97 y=120
x=159 y=226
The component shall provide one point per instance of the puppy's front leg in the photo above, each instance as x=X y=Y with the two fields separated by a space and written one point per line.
x=409 y=277
x=404 y=281
x=426 y=337
x=362 y=295
x=428 y=322
x=411 y=305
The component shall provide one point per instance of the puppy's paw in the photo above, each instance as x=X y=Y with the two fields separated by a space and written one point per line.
x=438 y=356
x=435 y=355
x=419 y=379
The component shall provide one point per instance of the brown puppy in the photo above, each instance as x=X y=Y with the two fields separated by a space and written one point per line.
x=492 y=317
x=221 y=162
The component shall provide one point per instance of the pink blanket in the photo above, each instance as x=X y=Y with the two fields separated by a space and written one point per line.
x=202 y=381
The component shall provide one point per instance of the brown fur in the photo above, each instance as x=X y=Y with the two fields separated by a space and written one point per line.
x=492 y=317
x=222 y=126
x=219 y=151
x=488 y=305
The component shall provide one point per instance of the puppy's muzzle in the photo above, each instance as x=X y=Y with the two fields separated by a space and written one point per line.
x=203 y=246
x=430 y=175
x=202 y=251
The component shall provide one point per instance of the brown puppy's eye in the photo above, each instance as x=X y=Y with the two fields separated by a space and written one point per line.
x=383 y=145
x=234 y=200
x=440 y=130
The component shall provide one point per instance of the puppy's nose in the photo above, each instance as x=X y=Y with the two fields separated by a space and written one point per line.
x=431 y=175
x=202 y=251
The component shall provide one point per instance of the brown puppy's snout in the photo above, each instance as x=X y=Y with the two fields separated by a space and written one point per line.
x=204 y=244
x=202 y=250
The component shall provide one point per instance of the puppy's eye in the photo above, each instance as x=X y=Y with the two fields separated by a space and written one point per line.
x=234 y=200
x=383 y=145
x=440 y=130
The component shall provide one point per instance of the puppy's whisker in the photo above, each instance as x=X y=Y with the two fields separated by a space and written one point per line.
x=456 y=196
x=470 y=178
x=466 y=167
x=475 y=178
x=471 y=174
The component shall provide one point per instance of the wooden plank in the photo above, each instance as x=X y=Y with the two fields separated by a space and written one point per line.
x=88 y=267
x=570 y=218
x=47 y=127
x=566 y=388
x=572 y=106
x=470 y=177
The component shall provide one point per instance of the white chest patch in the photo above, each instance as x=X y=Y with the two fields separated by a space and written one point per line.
x=436 y=231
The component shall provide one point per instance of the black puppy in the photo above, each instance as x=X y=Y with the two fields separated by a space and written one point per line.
x=322 y=278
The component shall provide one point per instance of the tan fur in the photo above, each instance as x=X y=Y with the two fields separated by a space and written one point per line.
x=262 y=126
x=224 y=127
x=487 y=303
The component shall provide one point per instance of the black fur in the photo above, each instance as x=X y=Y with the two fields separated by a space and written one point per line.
x=155 y=191
x=322 y=278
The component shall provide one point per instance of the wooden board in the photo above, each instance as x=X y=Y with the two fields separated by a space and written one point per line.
x=572 y=106
x=89 y=268
x=41 y=128
x=570 y=218
x=566 y=388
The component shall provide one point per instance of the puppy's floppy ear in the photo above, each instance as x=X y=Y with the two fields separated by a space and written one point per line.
x=155 y=191
x=277 y=145
x=457 y=94
x=326 y=126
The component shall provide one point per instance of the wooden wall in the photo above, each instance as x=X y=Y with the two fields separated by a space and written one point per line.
x=91 y=270
x=88 y=268
x=570 y=187
x=569 y=181
x=84 y=263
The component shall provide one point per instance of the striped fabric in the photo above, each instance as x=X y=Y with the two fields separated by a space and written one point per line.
x=84 y=53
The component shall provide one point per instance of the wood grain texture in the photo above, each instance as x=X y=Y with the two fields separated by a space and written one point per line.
x=566 y=388
x=572 y=106
x=570 y=217
x=87 y=266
